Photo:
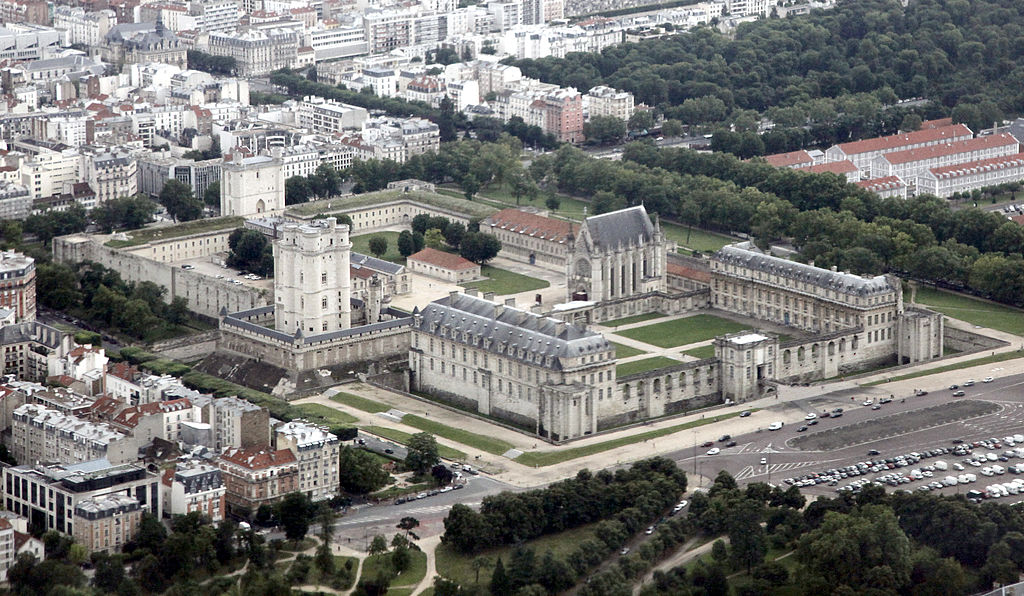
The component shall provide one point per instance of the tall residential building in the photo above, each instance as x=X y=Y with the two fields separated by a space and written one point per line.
x=106 y=523
x=255 y=477
x=84 y=27
x=111 y=175
x=251 y=185
x=46 y=173
x=24 y=11
x=388 y=29
x=605 y=101
x=257 y=52
x=317 y=451
x=214 y=15
x=18 y=284
x=312 y=288
x=194 y=486
x=237 y=423
x=42 y=434
x=329 y=116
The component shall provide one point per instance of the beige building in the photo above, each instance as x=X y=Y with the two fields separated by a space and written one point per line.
x=531 y=238
x=443 y=265
x=312 y=289
x=605 y=101
x=542 y=374
x=257 y=52
x=111 y=175
x=317 y=452
x=251 y=185
x=42 y=434
x=255 y=477
x=107 y=523
x=193 y=486
x=18 y=285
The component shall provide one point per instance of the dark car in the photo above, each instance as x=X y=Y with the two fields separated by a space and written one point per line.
x=801 y=429
x=744 y=413
x=707 y=444
x=724 y=438
x=873 y=452
x=837 y=411
x=812 y=423
x=389 y=451
x=731 y=444
x=836 y=414
x=826 y=414
x=959 y=393
x=954 y=387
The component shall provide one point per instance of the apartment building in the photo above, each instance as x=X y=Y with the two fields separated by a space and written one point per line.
x=317 y=453
x=106 y=523
x=890 y=186
x=909 y=164
x=194 y=486
x=237 y=423
x=18 y=284
x=111 y=175
x=964 y=177
x=257 y=52
x=255 y=477
x=84 y=27
x=42 y=434
x=605 y=101
x=863 y=153
x=329 y=116
x=46 y=173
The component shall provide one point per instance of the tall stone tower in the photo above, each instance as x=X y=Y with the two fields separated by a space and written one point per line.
x=312 y=290
x=251 y=185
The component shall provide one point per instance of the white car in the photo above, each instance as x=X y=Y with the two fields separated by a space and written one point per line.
x=810 y=416
x=868 y=402
x=987 y=380
x=764 y=461
x=714 y=451
x=775 y=426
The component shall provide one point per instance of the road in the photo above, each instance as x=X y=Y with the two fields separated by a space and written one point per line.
x=784 y=460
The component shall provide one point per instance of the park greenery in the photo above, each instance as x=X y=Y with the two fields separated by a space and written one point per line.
x=249 y=250
x=323 y=183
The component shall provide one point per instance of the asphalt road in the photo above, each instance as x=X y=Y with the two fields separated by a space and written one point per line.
x=783 y=460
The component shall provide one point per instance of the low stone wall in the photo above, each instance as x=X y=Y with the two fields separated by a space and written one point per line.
x=188 y=348
x=963 y=340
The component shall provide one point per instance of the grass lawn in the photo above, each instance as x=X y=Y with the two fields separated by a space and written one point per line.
x=360 y=403
x=481 y=442
x=624 y=351
x=321 y=414
x=457 y=566
x=568 y=207
x=503 y=281
x=972 y=310
x=680 y=332
x=699 y=239
x=137 y=237
x=701 y=352
x=403 y=438
x=643 y=365
x=548 y=458
x=634 y=319
x=412 y=576
x=966 y=364
x=361 y=244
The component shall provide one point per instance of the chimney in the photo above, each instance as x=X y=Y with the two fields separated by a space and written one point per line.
x=452 y=295
x=498 y=309
x=489 y=296
x=834 y=269
x=472 y=292
x=559 y=328
x=510 y=302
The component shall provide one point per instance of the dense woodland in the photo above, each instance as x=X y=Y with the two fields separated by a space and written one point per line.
x=825 y=77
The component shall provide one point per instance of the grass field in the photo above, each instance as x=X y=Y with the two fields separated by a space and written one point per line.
x=634 y=319
x=966 y=364
x=548 y=458
x=137 y=237
x=624 y=351
x=361 y=244
x=502 y=282
x=321 y=414
x=643 y=365
x=701 y=352
x=972 y=310
x=458 y=567
x=481 y=442
x=412 y=576
x=680 y=332
x=698 y=239
x=568 y=207
x=403 y=438
x=360 y=403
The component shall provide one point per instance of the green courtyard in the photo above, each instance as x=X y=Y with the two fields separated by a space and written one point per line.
x=681 y=332
x=503 y=282
x=361 y=244
x=972 y=310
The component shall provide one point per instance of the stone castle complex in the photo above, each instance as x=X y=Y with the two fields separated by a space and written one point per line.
x=544 y=369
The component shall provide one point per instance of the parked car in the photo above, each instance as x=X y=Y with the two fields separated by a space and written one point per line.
x=775 y=425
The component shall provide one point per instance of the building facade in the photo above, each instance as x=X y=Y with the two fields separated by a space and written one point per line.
x=194 y=487
x=254 y=477
x=531 y=237
x=317 y=452
x=18 y=285
x=251 y=185
x=106 y=523
x=312 y=289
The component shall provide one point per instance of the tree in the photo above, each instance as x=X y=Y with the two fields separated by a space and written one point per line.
x=297 y=190
x=453 y=233
x=719 y=552
x=434 y=238
x=179 y=201
x=479 y=563
x=446 y=119
x=672 y=128
x=641 y=120
x=602 y=130
x=470 y=186
x=378 y=246
x=500 y=583
x=422 y=453
x=479 y=247
x=553 y=202
x=294 y=512
x=400 y=558
x=12 y=231
x=211 y=196
x=378 y=546
x=747 y=538
x=360 y=471
x=406 y=244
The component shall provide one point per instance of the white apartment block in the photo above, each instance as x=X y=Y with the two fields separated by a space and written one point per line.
x=43 y=434
x=69 y=130
x=297 y=160
x=317 y=453
x=46 y=173
x=863 y=153
x=506 y=14
x=965 y=177
x=329 y=116
x=605 y=101
x=214 y=15
x=194 y=486
x=742 y=8
x=237 y=423
x=257 y=52
x=463 y=93
x=388 y=29
x=908 y=165
x=85 y=27
x=26 y=42
x=336 y=42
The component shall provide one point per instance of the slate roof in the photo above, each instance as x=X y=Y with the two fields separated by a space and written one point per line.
x=508 y=331
x=358 y=260
x=745 y=254
x=625 y=227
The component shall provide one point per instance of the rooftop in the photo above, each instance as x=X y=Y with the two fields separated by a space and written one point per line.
x=624 y=227
x=894 y=142
x=531 y=224
x=786 y=160
x=444 y=260
x=884 y=183
x=258 y=459
x=981 y=165
x=833 y=167
x=935 y=151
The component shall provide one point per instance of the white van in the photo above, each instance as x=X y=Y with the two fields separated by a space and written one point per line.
x=941 y=465
x=949 y=480
x=999 y=470
x=775 y=425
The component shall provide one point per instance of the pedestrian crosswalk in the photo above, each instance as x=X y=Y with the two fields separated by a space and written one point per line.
x=752 y=471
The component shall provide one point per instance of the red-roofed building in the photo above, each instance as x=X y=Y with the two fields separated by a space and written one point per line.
x=863 y=153
x=911 y=163
x=530 y=237
x=160 y=419
x=442 y=265
x=685 y=277
x=890 y=186
x=937 y=123
x=255 y=477
x=965 y=177
x=793 y=159
x=842 y=168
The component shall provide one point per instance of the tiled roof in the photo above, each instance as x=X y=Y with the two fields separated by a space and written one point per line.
x=981 y=165
x=444 y=260
x=530 y=224
x=933 y=151
x=894 y=142
x=884 y=183
x=130 y=417
x=833 y=167
x=937 y=123
x=687 y=272
x=256 y=459
x=793 y=158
